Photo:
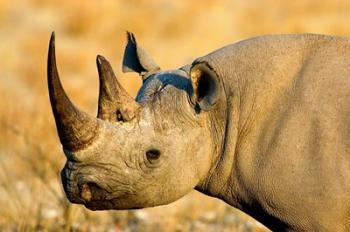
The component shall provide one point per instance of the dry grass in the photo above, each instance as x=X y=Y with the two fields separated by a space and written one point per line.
x=175 y=32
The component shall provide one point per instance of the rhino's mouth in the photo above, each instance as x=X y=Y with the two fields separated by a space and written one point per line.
x=90 y=191
x=95 y=197
x=85 y=192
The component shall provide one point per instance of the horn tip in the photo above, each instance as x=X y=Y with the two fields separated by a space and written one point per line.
x=100 y=59
x=52 y=43
x=52 y=39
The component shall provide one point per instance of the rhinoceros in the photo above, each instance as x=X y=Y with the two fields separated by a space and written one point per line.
x=262 y=124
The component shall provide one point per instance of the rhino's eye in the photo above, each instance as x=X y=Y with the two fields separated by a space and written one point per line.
x=152 y=155
x=119 y=117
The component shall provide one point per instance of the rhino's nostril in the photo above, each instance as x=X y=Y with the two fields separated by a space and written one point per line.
x=85 y=192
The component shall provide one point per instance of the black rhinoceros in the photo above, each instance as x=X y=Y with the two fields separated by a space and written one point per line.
x=263 y=124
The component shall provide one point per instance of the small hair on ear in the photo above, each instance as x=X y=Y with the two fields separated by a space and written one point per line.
x=136 y=59
x=205 y=86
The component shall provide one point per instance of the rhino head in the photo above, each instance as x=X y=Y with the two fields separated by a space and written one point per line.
x=144 y=152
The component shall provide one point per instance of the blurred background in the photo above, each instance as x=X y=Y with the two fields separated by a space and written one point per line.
x=174 y=32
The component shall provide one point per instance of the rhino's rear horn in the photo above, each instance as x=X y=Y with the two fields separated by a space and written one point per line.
x=114 y=103
x=76 y=129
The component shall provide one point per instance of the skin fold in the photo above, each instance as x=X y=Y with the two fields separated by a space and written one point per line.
x=262 y=124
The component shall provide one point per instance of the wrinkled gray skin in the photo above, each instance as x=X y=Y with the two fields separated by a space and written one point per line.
x=263 y=125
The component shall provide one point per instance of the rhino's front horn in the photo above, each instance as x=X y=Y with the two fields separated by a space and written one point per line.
x=76 y=129
x=114 y=103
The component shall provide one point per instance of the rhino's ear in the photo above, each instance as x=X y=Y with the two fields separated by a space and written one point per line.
x=205 y=86
x=136 y=59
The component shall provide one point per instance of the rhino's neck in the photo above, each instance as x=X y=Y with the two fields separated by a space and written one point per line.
x=258 y=76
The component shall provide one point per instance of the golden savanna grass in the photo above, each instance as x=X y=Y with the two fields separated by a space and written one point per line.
x=175 y=32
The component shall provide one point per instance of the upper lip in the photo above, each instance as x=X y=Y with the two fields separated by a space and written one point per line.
x=82 y=188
